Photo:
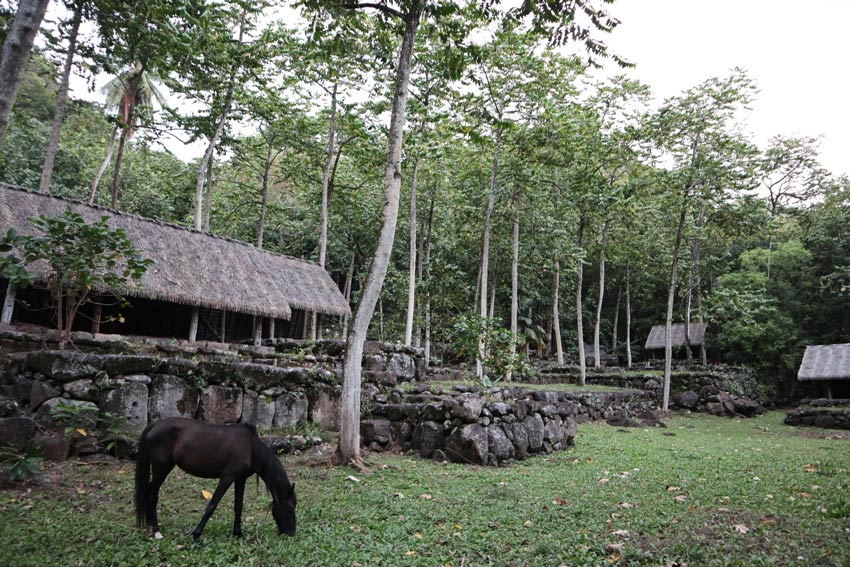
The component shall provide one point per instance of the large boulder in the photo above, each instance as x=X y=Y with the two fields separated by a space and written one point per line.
x=8 y=407
x=534 y=426
x=290 y=409
x=376 y=431
x=468 y=444
x=257 y=410
x=62 y=365
x=498 y=443
x=324 y=408
x=171 y=396
x=466 y=407
x=402 y=366
x=520 y=438
x=686 y=400
x=129 y=399
x=17 y=432
x=221 y=404
x=552 y=432
x=427 y=437
x=41 y=392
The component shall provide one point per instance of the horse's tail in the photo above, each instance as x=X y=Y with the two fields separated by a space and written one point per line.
x=143 y=479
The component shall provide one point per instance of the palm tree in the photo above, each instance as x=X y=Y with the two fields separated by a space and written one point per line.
x=130 y=90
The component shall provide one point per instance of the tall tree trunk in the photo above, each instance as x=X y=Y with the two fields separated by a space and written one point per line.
x=104 y=165
x=427 y=277
x=579 y=322
x=348 y=449
x=671 y=296
x=125 y=134
x=16 y=52
x=208 y=197
x=616 y=318
x=326 y=179
x=411 y=277
x=222 y=120
x=264 y=201
x=485 y=247
x=695 y=282
x=61 y=101
x=597 y=327
x=556 y=316
x=346 y=291
x=628 y=321
x=492 y=312
x=514 y=284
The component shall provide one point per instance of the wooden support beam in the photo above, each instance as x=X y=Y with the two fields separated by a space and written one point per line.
x=96 y=317
x=9 y=304
x=258 y=330
x=223 y=333
x=193 y=325
x=272 y=327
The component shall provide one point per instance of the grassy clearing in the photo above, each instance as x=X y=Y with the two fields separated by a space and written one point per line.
x=686 y=498
x=595 y=388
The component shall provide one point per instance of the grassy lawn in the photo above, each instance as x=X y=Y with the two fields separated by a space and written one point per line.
x=716 y=492
x=448 y=384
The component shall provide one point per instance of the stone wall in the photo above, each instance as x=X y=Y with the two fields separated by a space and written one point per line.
x=824 y=413
x=473 y=425
x=280 y=385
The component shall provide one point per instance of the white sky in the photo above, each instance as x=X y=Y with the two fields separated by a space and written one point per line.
x=796 y=51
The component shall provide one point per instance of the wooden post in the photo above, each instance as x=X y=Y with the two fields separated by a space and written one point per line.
x=272 y=321
x=829 y=389
x=9 y=304
x=95 y=320
x=193 y=325
x=223 y=333
x=258 y=330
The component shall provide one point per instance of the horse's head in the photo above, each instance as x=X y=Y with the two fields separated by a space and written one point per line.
x=283 y=511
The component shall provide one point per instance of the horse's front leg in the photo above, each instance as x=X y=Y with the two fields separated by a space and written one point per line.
x=223 y=484
x=239 y=493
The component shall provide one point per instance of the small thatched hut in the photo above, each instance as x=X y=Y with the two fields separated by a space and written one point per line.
x=829 y=365
x=696 y=334
x=231 y=284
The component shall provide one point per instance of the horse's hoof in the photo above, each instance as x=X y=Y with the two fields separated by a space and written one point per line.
x=157 y=535
x=196 y=537
x=237 y=534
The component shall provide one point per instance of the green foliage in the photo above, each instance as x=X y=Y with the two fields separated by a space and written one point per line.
x=21 y=465
x=79 y=257
x=499 y=346
x=74 y=418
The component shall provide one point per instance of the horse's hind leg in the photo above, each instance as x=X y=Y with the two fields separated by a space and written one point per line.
x=160 y=471
x=223 y=484
x=239 y=494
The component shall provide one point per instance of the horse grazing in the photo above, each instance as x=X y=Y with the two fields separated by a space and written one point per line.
x=231 y=453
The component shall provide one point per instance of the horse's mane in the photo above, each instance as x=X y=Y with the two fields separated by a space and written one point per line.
x=268 y=467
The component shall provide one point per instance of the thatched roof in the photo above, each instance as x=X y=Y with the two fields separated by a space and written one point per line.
x=195 y=268
x=825 y=362
x=696 y=332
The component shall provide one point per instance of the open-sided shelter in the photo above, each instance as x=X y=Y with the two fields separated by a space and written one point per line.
x=828 y=365
x=195 y=276
x=696 y=334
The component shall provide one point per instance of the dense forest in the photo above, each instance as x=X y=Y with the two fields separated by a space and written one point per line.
x=536 y=189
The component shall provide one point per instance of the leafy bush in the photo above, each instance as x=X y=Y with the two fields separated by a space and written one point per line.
x=22 y=466
x=470 y=331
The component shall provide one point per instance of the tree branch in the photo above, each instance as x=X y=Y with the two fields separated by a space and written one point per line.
x=379 y=7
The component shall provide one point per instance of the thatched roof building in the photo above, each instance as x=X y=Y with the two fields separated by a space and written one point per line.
x=194 y=268
x=696 y=333
x=825 y=362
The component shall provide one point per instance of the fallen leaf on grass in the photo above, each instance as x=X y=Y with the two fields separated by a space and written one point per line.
x=426 y=497
x=560 y=502
x=81 y=431
x=603 y=481
x=681 y=498
x=417 y=535
x=411 y=552
x=672 y=488
x=622 y=534
x=741 y=528
x=613 y=547
x=352 y=478
x=206 y=494
x=810 y=468
x=624 y=505
x=804 y=495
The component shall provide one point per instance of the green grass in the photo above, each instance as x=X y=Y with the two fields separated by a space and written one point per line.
x=679 y=498
x=448 y=384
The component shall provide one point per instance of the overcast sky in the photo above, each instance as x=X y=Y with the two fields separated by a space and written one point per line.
x=796 y=51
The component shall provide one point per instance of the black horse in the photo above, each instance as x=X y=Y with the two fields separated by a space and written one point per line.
x=231 y=453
